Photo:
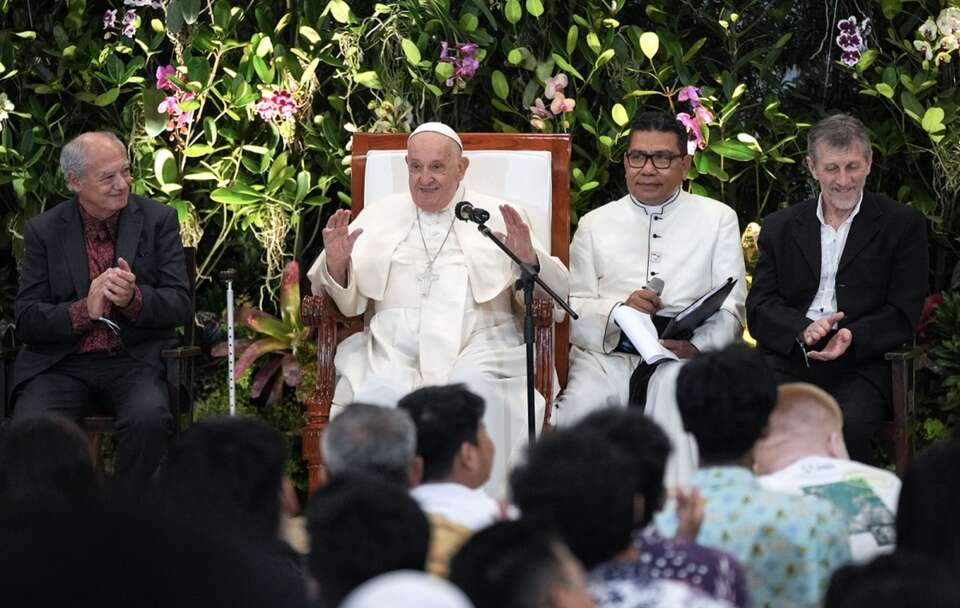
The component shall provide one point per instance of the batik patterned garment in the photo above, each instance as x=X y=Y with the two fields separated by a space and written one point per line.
x=788 y=545
x=711 y=571
x=648 y=593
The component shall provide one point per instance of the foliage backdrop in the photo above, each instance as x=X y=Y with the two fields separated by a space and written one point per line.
x=239 y=114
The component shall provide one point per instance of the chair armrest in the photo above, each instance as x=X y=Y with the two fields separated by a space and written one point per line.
x=543 y=351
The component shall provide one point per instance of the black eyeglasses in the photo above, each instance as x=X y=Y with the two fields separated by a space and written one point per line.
x=660 y=160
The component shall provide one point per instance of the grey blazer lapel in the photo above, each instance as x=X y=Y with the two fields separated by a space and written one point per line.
x=74 y=251
x=128 y=232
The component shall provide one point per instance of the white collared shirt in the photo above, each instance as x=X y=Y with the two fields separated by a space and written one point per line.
x=832 y=242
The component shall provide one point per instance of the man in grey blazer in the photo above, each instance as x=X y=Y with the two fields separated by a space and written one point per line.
x=102 y=288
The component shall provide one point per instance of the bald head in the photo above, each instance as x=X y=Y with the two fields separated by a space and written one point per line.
x=806 y=421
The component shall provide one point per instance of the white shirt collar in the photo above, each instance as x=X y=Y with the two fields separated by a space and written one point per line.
x=656 y=209
x=850 y=217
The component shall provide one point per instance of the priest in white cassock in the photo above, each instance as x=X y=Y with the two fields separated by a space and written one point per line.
x=438 y=296
x=690 y=242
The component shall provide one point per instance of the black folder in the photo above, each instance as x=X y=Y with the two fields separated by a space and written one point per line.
x=690 y=318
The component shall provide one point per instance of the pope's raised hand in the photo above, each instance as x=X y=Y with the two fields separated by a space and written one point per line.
x=338 y=244
x=517 y=237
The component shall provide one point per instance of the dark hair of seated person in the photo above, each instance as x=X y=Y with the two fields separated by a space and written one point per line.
x=893 y=581
x=927 y=522
x=227 y=473
x=644 y=442
x=582 y=487
x=660 y=122
x=445 y=417
x=45 y=461
x=725 y=398
x=361 y=527
x=511 y=564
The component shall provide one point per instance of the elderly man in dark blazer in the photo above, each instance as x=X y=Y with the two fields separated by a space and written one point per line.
x=840 y=281
x=102 y=288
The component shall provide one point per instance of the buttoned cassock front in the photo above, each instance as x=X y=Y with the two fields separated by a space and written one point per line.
x=693 y=244
x=464 y=330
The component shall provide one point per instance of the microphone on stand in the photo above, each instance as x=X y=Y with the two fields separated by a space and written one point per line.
x=468 y=213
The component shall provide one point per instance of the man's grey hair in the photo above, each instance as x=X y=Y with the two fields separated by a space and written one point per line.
x=371 y=440
x=838 y=131
x=73 y=156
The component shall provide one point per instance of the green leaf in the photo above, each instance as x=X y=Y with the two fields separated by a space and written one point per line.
x=566 y=67
x=587 y=187
x=164 y=167
x=734 y=150
x=256 y=149
x=515 y=56
x=312 y=36
x=469 y=22
x=197 y=150
x=368 y=79
x=264 y=47
x=535 y=7
x=619 y=114
x=190 y=9
x=642 y=93
x=885 y=89
x=891 y=8
x=105 y=99
x=512 y=11
x=235 y=195
x=593 y=41
x=604 y=58
x=932 y=123
x=174 y=17
x=500 y=86
x=866 y=60
x=573 y=34
x=155 y=122
x=411 y=51
x=649 y=44
x=201 y=176
x=443 y=71
x=303 y=186
x=210 y=130
x=340 y=10
x=693 y=50
x=911 y=106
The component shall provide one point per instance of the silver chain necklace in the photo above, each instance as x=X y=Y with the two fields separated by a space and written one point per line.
x=425 y=279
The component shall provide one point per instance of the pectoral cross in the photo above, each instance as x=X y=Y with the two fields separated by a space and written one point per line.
x=425 y=280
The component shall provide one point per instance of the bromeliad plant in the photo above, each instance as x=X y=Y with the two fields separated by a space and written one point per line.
x=284 y=345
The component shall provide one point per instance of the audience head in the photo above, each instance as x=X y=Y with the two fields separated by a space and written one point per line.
x=893 y=581
x=228 y=473
x=45 y=462
x=645 y=443
x=725 y=398
x=806 y=421
x=372 y=440
x=362 y=527
x=581 y=486
x=435 y=165
x=927 y=523
x=407 y=589
x=656 y=160
x=516 y=564
x=451 y=437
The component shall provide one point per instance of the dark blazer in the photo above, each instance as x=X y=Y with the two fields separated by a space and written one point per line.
x=54 y=274
x=881 y=283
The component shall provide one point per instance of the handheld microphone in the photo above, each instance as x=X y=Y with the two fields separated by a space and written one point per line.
x=468 y=213
x=655 y=285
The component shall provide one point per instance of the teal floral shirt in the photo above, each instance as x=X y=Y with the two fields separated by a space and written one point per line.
x=788 y=545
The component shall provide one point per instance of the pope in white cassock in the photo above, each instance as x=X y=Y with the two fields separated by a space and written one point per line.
x=690 y=242
x=438 y=296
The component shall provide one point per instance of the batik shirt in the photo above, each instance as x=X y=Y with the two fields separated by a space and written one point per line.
x=788 y=545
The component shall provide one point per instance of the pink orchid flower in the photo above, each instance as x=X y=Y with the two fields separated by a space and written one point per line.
x=539 y=110
x=693 y=128
x=109 y=18
x=689 y=93
x=163 y=83
x=702 y=114
x=555 y=85
x=561 y=104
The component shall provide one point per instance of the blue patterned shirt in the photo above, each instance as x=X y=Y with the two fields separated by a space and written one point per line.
x=788 y=545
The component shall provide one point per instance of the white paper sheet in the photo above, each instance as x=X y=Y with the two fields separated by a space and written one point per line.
x=639 y=328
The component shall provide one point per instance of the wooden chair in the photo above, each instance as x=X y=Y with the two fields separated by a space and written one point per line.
x=897 y=431
x=530 y=170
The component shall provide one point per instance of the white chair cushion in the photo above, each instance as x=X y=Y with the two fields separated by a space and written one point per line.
x=516 y=176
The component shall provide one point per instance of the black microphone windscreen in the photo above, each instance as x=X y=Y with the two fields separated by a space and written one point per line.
x=462 y=210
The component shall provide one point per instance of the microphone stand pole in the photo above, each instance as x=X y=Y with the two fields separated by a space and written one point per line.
x=529 y=277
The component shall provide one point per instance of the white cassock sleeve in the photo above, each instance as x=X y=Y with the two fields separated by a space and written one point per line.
x=594 y=330
x=348 y=299
x=725 y=326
